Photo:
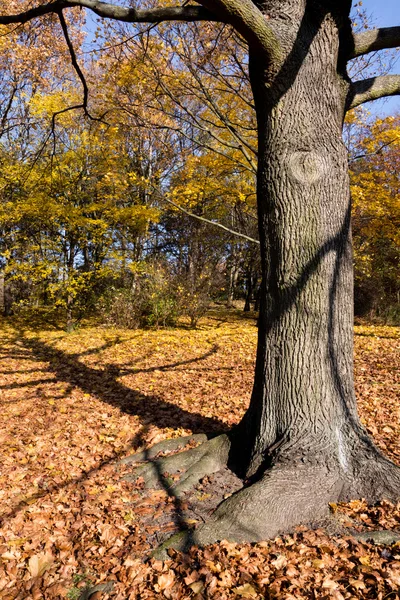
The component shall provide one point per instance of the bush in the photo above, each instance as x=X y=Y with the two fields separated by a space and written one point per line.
x=151 y=301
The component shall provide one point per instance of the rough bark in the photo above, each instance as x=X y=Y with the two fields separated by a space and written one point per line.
x=301 y=444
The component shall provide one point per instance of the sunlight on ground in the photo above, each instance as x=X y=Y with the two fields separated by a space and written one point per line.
x=73 y=403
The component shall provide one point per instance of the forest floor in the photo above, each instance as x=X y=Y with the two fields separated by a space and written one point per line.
x=74 y=404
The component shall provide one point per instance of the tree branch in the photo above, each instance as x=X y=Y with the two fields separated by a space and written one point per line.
x=250 y=22
x=366 y=90
x=112 y=11
x=74 y=61
x=243 y=15
x=375 y=39
x=231 y=231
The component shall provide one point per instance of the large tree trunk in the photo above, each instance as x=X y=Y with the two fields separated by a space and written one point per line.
x=303 y=401
x=301 y=444
x=303 y=408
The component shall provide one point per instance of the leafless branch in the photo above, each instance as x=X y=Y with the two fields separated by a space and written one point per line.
x=366 y=90
x=368 y=154
x=214 y=223
x=375 y=39
x=111 y=11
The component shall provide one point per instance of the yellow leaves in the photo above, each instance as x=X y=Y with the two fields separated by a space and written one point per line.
x=317 y=563
x=197 y=587
x=45 y=105
x=245 y=591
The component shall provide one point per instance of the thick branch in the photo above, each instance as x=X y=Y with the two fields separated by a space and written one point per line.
x=366 y=90
x=243 y=15
x=119 y=13
x=250 y=22
x=376 y=39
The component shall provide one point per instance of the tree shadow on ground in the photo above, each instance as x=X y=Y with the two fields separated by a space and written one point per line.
x=103 y=384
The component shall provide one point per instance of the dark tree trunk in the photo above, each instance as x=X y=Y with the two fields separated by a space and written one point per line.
x=301 y=444
x=249 y=291
x=2 y=294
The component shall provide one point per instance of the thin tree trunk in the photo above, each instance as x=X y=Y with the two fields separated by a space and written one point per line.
x=2 y=294
x=249 y=291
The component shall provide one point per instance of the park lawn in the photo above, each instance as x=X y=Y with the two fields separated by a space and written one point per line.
x=73 y=404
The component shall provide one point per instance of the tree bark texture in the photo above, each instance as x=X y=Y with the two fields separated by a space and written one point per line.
x=303 y=408
x=300 y=445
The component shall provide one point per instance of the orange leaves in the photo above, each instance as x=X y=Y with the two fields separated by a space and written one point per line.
x=67 y=518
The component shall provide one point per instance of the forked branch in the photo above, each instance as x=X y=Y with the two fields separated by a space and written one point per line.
x=250 y=22
x=366 y=90
x=243 y=15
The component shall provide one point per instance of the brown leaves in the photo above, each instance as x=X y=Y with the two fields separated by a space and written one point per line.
x=67 y=518
x=39 y=563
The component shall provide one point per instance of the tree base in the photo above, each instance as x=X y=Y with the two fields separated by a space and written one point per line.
x=285 y=496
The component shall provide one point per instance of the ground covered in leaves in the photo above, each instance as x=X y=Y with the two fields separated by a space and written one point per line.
x=74 y=404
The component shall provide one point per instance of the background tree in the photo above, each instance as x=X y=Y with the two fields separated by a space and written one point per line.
x=300 y=444
x=375 y=191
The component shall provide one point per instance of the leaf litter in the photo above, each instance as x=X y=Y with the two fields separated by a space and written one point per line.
x=75 y=404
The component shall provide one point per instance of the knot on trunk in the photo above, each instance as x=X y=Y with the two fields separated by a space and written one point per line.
x=307 y=166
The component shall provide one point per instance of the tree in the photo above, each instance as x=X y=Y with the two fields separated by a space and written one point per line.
x=376 y=232
x=300 y=444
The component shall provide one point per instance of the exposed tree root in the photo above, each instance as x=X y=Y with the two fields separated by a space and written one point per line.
x=285 y=496
x=165 y=446
x=374 y=478
x=280 y=500
x=194 y=464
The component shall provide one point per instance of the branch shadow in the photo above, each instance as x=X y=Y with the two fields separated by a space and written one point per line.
x=103 y=384
x=137 y=441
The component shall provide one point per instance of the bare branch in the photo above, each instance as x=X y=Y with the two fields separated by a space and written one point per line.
x=366 y=90
x=74 y=61
x=368 y=154
x=375 y=39
x=237 y=233
x=243 y=15
x=112 y=11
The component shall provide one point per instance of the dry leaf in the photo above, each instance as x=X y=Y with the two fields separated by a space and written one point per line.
x=39 y=563
x=197 y=587
x=279 y=562
x=329 y=584
x=245 y=591
x=165 y=581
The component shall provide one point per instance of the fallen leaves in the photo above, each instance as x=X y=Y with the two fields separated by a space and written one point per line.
x=73 y=404
x=39 y=563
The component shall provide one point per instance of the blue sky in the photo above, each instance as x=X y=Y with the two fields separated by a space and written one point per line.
x=381 y=13
x=384 y=13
